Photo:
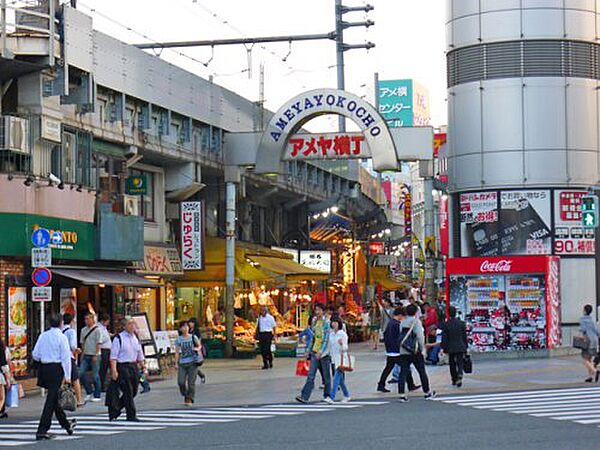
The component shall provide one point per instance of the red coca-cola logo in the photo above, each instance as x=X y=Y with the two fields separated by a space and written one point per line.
x=504 y=265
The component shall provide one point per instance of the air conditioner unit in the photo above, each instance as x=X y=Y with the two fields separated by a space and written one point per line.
x=14 y=134
x=131 y=205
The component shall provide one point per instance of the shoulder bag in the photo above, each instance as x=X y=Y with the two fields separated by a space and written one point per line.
x=409 y=341
x=347 y=362
x=581 y=342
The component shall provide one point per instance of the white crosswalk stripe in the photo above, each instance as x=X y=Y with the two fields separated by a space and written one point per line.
x=580 y=405
x=23 y=433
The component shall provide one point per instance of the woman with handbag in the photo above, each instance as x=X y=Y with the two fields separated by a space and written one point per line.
x=590 y=329
x=338 y=341
x=5 y=378
x=195 y=331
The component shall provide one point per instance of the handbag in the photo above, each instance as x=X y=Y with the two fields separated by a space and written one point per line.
x=66 y=398
x=581 y=342
x=302 y=367
x=12 y=396
x=468 y=367
x=409 y=341
x=347 y=362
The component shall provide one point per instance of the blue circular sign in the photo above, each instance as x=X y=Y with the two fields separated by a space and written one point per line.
x=41 y=277
x=40 y=238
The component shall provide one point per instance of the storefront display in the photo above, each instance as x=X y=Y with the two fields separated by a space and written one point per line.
x=17 y=329
x=508 y=303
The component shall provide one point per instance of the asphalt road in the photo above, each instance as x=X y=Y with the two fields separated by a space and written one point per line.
x=419 y=423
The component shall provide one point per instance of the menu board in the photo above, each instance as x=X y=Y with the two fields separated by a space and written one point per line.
x=570 y=238
x=17 y=329
x=479 y=224
x=526 y=223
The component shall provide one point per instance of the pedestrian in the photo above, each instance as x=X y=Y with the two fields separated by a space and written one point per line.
x=125 y=357
x=105 y=347
x=5 y=379
x=91 y=342
x=430 y=323
x=374 y=324
x=589 y=327
x=391 y=340
x=187 y=349
x=318 y=355
x=411 y=327
x=454 y=343
x=265 y=330
x=338 y=347
x=53 y=354
x=71 y=335
x=195 y=330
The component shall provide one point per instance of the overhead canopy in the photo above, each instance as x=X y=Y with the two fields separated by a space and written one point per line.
x=93 y=277
x=252 y=263
x=380 y=275
x=287 y=267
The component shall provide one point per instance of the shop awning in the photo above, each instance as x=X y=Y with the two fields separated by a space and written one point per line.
x=380 y=275
x=93 y=277
x=287 y=267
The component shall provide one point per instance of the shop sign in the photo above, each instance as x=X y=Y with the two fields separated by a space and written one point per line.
x=444 y=227
x=192 y=236
x=376 y=248
x=17 y=329
x=497 y=265
x=61 y=239
x=137 y=185
x=526 y=223
x=160 y=261
x=570 y=238
x=41 y=294
x=316 y=259
x=51 y=129
x=439 y=139
x=407 y=206
x=326 y=146
x=41 y=257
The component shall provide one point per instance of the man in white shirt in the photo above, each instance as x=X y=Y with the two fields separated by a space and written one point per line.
x=53 y=353
x=105 y=347
x=265 y=329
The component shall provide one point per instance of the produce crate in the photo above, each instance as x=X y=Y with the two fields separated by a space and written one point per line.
x=285 y=353
x=215 y=354
x=244 y=355
x=214 y=344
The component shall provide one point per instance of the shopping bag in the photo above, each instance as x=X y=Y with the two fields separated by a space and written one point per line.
x=581 y=342
x=347 y=362
x=12 y=396
x=66 y=398
x=302 y=368
x=468 y=364
x=273 y=348
x=21 y=390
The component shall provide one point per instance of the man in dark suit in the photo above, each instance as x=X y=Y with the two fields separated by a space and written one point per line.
x=454 y=343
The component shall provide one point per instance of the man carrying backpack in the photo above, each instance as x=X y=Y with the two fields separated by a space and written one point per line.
x=454 y=343
x=412 y=346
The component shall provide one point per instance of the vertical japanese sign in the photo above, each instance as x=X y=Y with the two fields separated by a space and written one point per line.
x=192 y=235
x=526 y=222
x=444 y=227
x=407 y=212
x=396 y=102
x=421 y=113
x=553 y=316
x=17 y=329
x=479 y=224
x=570 y=238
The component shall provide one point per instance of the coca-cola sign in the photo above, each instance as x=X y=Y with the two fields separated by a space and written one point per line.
x=504 y=265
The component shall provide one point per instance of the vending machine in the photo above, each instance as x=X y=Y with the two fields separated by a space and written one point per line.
x=508 y=303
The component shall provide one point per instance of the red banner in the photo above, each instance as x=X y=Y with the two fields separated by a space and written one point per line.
x=502 y=265
x=376 y=248
x=444 y=227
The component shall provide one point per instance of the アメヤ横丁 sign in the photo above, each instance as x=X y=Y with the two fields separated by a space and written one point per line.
x=326 y=146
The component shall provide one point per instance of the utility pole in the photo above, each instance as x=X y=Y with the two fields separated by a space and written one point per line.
x=341 y=47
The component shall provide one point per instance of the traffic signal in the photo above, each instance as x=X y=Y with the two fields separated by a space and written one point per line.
x=589 y=211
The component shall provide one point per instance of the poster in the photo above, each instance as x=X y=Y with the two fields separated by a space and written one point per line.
x=570 y=238
x=526 y=223
x=479 y=224
x=17 y=329
x=68 y=304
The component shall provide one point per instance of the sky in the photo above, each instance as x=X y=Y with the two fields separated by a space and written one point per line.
x=409 y=37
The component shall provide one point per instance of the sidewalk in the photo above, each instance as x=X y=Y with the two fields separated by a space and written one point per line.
x=241 y=382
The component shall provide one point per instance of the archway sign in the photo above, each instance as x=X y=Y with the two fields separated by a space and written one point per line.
x=294 y=114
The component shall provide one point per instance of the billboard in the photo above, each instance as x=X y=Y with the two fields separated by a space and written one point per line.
x=403 y=103
x=479 y=224
x=570 y=238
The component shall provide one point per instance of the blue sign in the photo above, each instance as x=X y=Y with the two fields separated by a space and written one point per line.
x=40 y=238
x=57 y=238
x=41 y=277
x=396 y=102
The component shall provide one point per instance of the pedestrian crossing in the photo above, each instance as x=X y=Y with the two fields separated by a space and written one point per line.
x=579 y=405
x=23 y=433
